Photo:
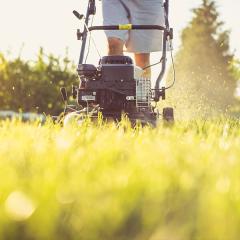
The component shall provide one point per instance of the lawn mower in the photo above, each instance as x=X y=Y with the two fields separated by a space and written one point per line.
x=116 y=86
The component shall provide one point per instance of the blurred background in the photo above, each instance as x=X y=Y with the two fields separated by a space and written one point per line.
x=43 y=34
x=51 y=24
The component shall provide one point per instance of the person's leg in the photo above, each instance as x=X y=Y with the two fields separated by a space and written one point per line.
x=114 y=13
x=115 y=46
x=143 y=60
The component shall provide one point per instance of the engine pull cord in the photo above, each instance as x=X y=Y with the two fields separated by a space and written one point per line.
x=92 y=39
x=173 y=67
x=89 y=42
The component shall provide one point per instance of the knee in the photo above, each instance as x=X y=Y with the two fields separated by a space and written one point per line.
x=142 y=60
x=115 y=46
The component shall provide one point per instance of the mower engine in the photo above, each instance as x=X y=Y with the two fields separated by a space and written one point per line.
x=116 y=86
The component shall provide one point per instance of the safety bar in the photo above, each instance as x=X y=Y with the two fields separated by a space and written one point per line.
x=128 y=27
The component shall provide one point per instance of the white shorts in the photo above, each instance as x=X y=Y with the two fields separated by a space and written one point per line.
x=139 y=12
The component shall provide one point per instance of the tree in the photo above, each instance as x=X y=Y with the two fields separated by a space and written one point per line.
x=34 y=86
x=205 y=84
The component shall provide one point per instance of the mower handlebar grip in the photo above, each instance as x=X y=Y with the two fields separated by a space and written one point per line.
x=128 y=27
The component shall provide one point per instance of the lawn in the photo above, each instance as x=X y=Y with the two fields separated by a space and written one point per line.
x=108 y=182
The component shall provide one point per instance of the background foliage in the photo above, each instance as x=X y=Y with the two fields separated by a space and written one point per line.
x=34 y=85
x=205 y=81
x=207 y=73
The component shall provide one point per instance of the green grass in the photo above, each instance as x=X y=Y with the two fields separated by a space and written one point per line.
x=116 y=183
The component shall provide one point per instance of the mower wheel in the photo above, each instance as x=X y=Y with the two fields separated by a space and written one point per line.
x=168 y=114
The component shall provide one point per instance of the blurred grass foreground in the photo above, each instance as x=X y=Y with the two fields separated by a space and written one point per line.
x=116 y=183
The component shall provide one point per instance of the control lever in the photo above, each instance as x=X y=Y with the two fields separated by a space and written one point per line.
x=64 y=94
x=78 y=15
x=74 y=92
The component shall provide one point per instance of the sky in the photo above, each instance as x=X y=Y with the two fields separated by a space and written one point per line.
x=25 y=25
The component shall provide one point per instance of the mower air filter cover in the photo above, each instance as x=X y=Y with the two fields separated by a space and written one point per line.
x=116 y=60
x=86 y=70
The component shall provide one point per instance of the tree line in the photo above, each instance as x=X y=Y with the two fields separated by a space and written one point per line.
x=33 y=86
x=207 y=72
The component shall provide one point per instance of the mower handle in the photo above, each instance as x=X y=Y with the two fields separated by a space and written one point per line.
x=128 y=27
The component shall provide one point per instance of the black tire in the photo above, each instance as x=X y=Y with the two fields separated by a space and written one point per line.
x=168 y=114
